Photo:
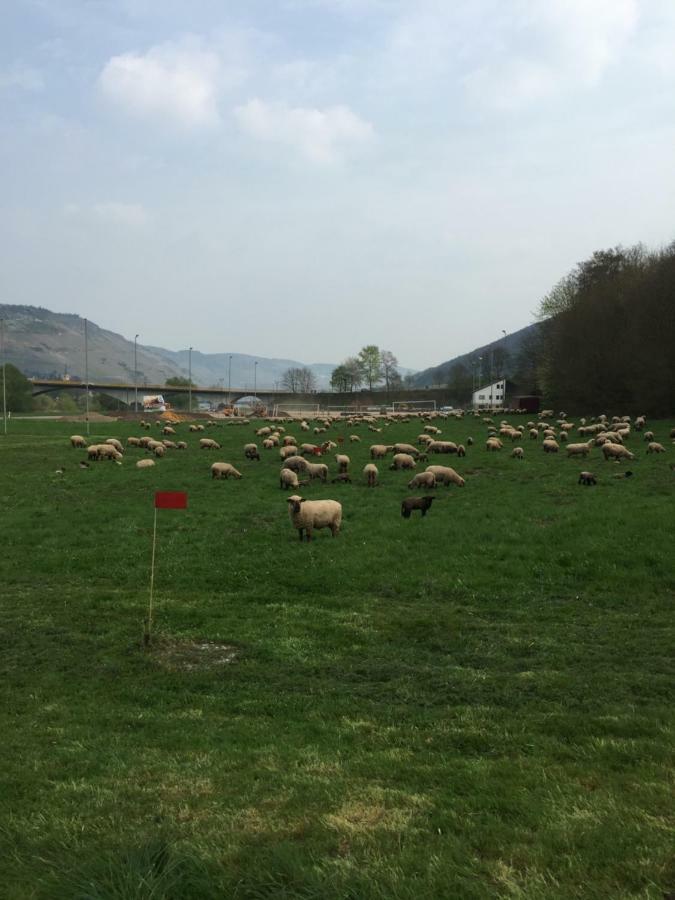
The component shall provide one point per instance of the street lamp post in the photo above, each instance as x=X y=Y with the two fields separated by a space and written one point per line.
x=229 y=381
x=135 y=374
x=255 y=378
x=189 y=379
x=4 y=373
x=86 y=375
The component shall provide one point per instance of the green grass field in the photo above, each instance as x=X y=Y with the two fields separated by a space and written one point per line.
x=474 y=704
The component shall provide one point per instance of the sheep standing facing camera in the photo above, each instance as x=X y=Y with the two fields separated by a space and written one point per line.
x=307 y=515
x=587 y=478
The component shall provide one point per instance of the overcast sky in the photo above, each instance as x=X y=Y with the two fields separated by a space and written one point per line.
x=298 y=178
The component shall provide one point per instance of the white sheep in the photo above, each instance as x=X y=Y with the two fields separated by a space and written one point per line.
x=288 y=479
x=116 y=444
x=550 y=445
x=134 y=442
x=251 y=451
x=518 y=453
x=402 y=461
x=655 y=447
x=579 y=449
x=442 y=447
x=208 y=444
x=317 y=470
x=446 y=475
x=371 y=473
x=378 y=451
x=342 y=461
x=307 y=515
x=76 y=440
x=422 y=479
x=224 y=470
x=296 y=463
x=616 y=451
x=145 y=463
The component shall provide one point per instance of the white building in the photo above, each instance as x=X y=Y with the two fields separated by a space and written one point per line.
x=490 y=396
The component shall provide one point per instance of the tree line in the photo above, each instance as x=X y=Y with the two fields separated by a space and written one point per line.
x=608 y=333
x=371 y=367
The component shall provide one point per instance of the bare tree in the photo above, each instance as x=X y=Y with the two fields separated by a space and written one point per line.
x=389 y=368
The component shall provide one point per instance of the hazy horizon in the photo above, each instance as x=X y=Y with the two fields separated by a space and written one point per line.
x=299 y=179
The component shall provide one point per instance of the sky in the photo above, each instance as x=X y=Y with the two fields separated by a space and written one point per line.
x=299 y=178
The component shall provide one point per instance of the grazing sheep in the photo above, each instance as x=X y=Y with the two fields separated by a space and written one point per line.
x=402 y=461
x=208 y=444
x=289 y=441
x=265 y=431
x=296 y=463
x=251 y=452
x=309 y=449
x=446 y=475
x=76 y=440
x=317 y=470
x=648 y=436
x=469 y=441
x=587 y=478
x=268 y=444
x=461 y=451
x=534 y=434
x=289 y=450
x=406 y=448
x=159 y=451
x=616 y=451
x=654 y=447
x=342 y=461
x=441 y=447
x=342 y=478
x=493 y=444
x=378 y=451
x=288 y=479
x=371 y=473
x=579 y=449
x=168 y=430
x=134 y=442
x=307 y=515
x=517 y=453
x=181 y=445
x=354 y=439
x=196 y=428
x=145 y=463
x=105 y=451
x=550 y=445
x=224 y=470
x=422 y=479
x=412 y=503
x=170 y=445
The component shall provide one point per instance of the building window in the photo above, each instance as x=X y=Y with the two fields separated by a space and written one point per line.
x=481 y=396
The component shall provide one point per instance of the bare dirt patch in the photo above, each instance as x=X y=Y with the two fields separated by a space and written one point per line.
x=192 y=656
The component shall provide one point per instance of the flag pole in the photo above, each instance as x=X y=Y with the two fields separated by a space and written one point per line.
x=148 y=622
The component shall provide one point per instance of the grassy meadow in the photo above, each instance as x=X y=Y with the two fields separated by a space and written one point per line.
x=475 y=704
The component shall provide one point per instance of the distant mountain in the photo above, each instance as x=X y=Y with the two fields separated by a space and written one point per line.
x=46 y=344
x=512 y=344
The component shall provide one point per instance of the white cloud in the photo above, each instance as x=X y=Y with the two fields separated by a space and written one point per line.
x=126 y=215
x=320 y=135
x=552 y=47
x=174 y=82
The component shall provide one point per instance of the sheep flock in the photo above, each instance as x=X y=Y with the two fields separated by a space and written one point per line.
x=309 y=468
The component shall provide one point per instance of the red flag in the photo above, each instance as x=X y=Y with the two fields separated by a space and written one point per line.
x=170 y=500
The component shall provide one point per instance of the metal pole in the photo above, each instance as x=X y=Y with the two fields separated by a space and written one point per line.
x=229 y=382
x=190 y=379
x=135 y=374
x=86 y=375
x=147 y=635
x=255 y=377
x=4 y=373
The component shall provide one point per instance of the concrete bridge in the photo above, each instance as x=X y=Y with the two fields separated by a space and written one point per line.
x=326 y=400
x=126 y=392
